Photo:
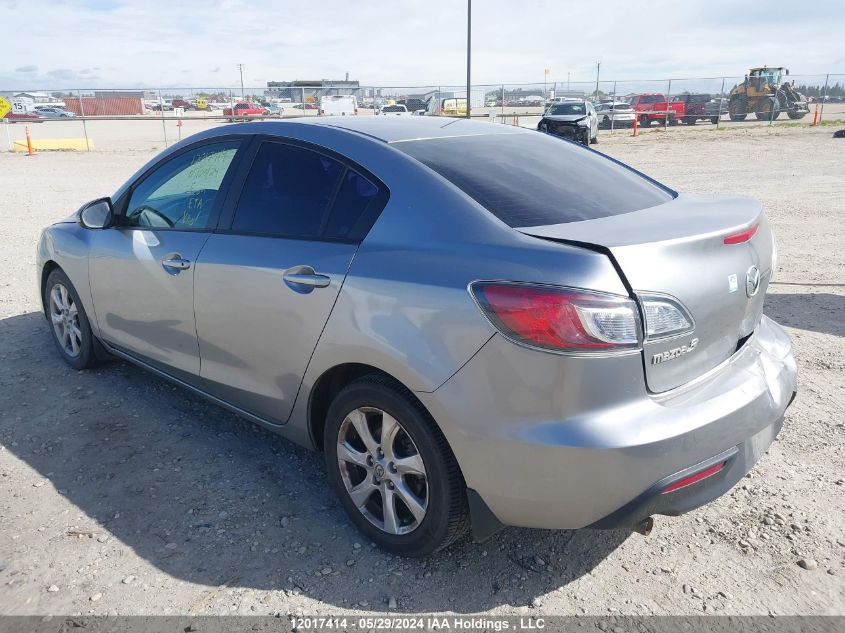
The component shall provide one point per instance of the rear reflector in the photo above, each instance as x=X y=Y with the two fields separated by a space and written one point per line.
x=688 y=481
x=742 y=236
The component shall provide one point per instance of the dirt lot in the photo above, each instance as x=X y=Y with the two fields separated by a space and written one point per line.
x=122 y=494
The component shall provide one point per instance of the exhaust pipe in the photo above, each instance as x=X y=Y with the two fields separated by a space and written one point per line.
x=645 y=526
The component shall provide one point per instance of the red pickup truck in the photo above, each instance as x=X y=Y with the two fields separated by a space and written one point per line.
x=245 y=108
x=654 y=107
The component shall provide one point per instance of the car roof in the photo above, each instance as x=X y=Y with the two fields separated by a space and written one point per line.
x=396 y=129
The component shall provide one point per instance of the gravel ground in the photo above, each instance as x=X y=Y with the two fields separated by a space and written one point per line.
x=120 y=494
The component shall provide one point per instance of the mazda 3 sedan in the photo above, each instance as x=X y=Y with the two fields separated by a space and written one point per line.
x=479 y=325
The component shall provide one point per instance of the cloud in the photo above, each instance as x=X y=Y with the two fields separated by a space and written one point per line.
x=409 y=43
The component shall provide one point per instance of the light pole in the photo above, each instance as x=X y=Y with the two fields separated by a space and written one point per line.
x=241 y=70
x=598 y=71
x=469 y=53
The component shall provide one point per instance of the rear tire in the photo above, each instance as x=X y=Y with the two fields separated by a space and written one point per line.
x=645 y=121
x=369 y=467
x=68 y=321
x=714 y=120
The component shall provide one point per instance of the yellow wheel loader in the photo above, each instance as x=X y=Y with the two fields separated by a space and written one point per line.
x=766 y=93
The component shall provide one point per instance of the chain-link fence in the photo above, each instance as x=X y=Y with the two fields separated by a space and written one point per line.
x=141 y=119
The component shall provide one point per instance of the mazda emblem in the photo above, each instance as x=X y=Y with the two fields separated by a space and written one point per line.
x=752 y=281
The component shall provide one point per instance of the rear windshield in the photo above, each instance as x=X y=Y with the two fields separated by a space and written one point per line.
x=534 y=179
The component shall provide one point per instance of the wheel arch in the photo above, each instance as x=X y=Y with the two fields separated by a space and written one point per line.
x=330 y=383
x=48 y=267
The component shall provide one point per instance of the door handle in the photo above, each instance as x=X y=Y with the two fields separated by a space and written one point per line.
x=303 y=279
x=175 y=263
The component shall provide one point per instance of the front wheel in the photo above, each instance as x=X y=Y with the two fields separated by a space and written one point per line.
x=392 y=468
x=68 y=322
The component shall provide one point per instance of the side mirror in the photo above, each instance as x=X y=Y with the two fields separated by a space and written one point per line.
x=97 y=214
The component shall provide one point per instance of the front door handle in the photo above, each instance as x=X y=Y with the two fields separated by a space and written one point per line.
x=303 y=279
x=175 y=263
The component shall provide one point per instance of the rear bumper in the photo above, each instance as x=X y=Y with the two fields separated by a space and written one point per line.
x=549 y=441
x=660 y=499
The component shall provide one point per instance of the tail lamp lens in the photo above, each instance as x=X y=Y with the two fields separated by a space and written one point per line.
x=560 y=319
x=664 y=316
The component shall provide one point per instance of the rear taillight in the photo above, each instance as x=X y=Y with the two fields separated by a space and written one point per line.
x=664 y=317
x=560 y=319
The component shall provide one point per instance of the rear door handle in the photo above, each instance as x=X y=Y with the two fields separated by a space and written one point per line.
x=303 y=279
x=175 y=263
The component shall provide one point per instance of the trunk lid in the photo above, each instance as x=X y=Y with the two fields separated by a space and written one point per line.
x=679 y=249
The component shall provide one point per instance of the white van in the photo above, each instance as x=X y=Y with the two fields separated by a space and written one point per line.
x=338 y=105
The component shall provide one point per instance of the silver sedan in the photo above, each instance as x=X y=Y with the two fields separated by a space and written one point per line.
x=479 y=325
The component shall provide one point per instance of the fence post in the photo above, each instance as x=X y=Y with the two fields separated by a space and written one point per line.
x=161 y=110
x=503 y=103
x=668 y=109
x=824 y=97
x=776 y=104
x=613 y=110
x=84 y=125
x=719 y=107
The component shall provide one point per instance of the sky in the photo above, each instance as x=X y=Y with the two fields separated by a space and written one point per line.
x=53 y=45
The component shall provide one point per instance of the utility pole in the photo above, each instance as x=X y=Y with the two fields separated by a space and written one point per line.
x=241 y=70
x=469 y=53
x=598 y=71
x=567 y=81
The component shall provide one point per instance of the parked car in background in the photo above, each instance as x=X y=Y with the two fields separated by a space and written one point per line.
x=555 y=100
x=653 y=106
x=615 y=114
x=447 y=106
x=53 y=112
x=275 y=109
x=338 y=105
x=715 y=108
x=393 y=109
x=182 y=103
x=478 y=325
x=694 y=107
x=413 y=104
x=245 y=109
x=24 y=117
x=573 y=120
x=305 y=106
x=161 y=106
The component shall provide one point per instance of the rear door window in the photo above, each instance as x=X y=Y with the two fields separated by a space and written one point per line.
x=530 y=179
x=296 y=192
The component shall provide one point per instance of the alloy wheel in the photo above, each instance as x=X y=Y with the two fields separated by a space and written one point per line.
x=64 y=315
x=382 y=470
